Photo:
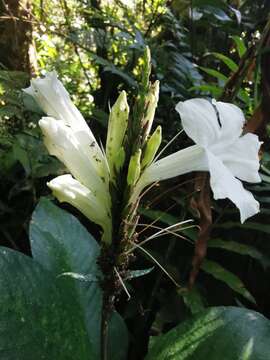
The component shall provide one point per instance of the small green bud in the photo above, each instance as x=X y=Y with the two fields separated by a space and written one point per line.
x=120 y=159
x=134 y=168
x=146 y=67
x=152 y=146
x=151 y=101
x=118 y=122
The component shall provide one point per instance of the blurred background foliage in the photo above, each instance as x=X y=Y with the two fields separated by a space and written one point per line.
x=217 y=48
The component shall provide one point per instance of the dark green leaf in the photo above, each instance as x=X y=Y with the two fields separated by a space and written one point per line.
x=210 y=10
x=214 y=91
x=193 y=300
x=62 y=245
x=218 y=272
x=38 y=319
x=110 y=67
x=238 y=248
x=159 y=215
x=265 y=228
x=22 y=156
x=217 y=3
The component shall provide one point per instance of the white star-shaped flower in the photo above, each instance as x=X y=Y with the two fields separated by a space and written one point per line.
x=221 y=148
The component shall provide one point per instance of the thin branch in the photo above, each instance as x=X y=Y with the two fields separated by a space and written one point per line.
x=158 y=264
x=122 y=283
x=162 y=232
x=159 y=228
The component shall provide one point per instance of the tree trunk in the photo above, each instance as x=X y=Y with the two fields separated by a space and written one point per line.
x=15 y=35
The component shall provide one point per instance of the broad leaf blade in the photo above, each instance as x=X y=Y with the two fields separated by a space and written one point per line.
x=61 y=244
x=221 y=333
x=38 y=320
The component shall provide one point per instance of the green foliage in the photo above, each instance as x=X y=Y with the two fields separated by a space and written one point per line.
x=227 y=277
x=217 y=333
x=57 y=315
x=97 y=49
x=42 y=314
x=242 y=249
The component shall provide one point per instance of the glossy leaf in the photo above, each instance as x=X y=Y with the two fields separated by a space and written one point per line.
x=62 y=245
x=221 y=333
x=39 y=320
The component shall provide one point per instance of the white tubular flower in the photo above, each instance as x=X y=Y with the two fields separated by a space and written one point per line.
x=220 y=149
x=61 y=141
x=68 y=137
x=54 y=100
x=67 y=189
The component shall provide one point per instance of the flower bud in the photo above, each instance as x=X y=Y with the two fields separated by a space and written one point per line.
x=151 y=101
x=118 y=122
x=67 y=189
x=146 y=68
x=152 y=146
x=134 y=168
x=120 y=159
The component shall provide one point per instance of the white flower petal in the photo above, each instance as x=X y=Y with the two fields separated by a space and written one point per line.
x=55 y=101
x=67 y=189
x=178 y=163
x=53 y=98
x=232 y=121
x=225 y=185
x=181 y=162
x=62 y=142
x=93 y=152
x=199 y=121
x=242 y=158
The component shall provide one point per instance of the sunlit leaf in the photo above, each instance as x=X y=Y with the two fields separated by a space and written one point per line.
x=240 y=45
x=227 y=61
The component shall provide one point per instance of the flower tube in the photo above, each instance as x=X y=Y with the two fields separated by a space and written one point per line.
x=68 y=137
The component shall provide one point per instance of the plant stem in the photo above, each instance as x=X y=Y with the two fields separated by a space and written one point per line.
x=108 y=284
x=104 y=330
